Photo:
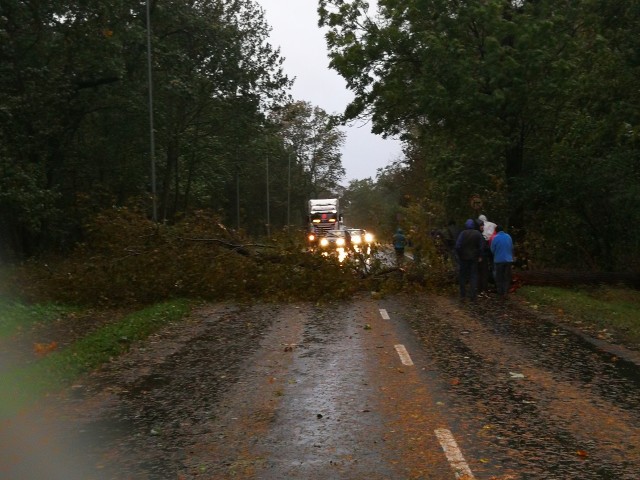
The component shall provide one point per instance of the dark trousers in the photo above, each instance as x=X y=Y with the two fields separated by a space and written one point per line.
x=483 y=274
x=503 y=277
x=468 y=273
x=399 y=255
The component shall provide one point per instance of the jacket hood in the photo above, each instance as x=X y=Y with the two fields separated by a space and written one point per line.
x=470 y=223
x=482 y=218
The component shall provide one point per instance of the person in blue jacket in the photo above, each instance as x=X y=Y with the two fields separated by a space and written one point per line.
x=502 y=249
x=399 y=243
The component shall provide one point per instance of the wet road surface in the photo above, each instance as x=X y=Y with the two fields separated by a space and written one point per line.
x=392 y=388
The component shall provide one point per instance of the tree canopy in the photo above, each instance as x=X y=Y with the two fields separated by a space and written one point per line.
x=533 y=105
x=75 y=117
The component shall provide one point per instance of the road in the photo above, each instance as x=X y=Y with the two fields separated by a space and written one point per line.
x=401 y=387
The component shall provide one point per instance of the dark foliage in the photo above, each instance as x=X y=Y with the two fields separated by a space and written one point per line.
x=127 y=259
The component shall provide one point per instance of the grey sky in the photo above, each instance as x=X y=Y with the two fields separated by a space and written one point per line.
x=296 y=32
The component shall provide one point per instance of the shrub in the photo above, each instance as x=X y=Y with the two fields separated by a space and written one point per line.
x=127 y=259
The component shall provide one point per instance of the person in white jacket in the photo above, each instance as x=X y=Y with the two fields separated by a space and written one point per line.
x=489 y=227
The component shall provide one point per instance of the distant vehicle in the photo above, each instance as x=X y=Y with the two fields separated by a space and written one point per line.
x=360 y=236
x=323 y=216
x=334 y=240
x=361 y=240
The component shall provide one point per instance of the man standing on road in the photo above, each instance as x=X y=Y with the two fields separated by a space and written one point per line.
x=399 y=242
x=469 y=250
x=502 y=249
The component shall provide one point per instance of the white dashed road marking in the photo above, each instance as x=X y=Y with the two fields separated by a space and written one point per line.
x=404 y=355
x=445 y=437
x=453 y=454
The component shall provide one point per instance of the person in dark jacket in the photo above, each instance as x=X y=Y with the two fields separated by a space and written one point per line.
x=469 y=249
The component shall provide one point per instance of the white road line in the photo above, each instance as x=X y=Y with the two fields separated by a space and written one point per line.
x=404 y=355
x=384 y=314
x=453 y=454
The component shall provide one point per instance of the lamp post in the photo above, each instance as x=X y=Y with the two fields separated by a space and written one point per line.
x=152 y=147
x=289 y=193
x=268 y=214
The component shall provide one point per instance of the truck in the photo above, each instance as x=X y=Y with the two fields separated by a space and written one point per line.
x=323 y=216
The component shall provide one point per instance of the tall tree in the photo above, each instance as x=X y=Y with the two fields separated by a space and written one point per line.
x=74 y=114
x=497 y=97
x=315 y=140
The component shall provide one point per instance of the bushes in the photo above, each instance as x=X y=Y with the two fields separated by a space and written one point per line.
x=126 y=259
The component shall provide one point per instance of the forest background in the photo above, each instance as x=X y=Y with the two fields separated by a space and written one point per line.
x=531 y=105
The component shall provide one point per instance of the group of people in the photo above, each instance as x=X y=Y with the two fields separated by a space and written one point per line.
x=481 y=249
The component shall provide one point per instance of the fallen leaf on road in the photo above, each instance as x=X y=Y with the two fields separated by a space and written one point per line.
x=44 y=348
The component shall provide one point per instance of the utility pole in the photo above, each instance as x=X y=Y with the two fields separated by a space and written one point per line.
x=152 y=147
x=289 y=193
x=237 y=197
x=268 y=215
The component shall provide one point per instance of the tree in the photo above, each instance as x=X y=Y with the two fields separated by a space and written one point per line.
x=74 y=113
x=497 y=98
x=315 y=142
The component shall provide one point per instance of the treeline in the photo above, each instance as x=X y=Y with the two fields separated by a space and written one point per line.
x=533 y=105
x=75 y=121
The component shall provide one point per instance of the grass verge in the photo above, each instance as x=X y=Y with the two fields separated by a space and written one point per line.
x=615 y=309
x=15 y=316
x=21 y=386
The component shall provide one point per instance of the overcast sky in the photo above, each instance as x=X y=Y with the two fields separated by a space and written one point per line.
x=295 y=30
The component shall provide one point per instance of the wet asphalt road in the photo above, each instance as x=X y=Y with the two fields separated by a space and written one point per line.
x=393 y=388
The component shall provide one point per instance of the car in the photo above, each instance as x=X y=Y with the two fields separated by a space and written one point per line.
x=360 y=236
x=334 y=239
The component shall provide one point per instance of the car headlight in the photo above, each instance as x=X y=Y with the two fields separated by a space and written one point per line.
x=324 y=242
x=368 y=237
x=357 y=239
x=340 y=242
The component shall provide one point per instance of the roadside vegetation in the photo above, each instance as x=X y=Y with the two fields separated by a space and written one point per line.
x=608 y=311
x=52 y=368
x=16 y=316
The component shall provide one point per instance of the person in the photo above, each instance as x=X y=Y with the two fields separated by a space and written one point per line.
x=488 y=228
x=484 y=265
x=451 y=235
x=502 y=249
x=399 y=243
x=469 y=250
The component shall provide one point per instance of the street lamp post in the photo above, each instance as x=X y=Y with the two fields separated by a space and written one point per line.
x=152 y=147
x=289 y=193
x=268 y=213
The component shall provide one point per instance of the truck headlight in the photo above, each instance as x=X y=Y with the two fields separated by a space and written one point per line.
x=368 y=237
x=312 y=237
x=324 y=242
x=340 y=242
x=357 y=239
